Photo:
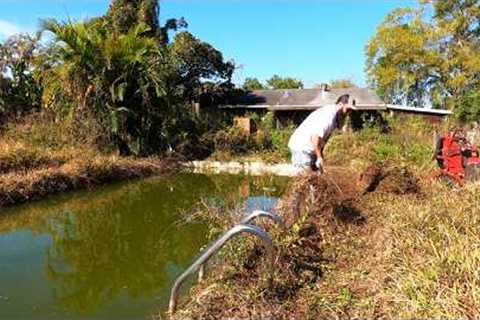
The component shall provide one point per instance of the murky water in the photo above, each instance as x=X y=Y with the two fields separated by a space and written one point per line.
x=114 y=252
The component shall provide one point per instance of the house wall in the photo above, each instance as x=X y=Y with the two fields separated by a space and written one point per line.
x=431 y=118
x=356 y=120
x=284 y=118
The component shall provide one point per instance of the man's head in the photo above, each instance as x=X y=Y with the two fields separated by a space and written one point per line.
x=343 y=102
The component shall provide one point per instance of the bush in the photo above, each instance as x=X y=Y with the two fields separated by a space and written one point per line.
x=469 y=107
x=386 y=149
x=267 y=142
x=234 y=140
x=279 y=138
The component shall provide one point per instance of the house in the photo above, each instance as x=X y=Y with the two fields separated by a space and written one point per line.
x=295 y=104
x=430 y=115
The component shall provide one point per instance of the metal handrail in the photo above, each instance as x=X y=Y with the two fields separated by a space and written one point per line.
x=217 y=245
x=260 y=213
x=246 y=220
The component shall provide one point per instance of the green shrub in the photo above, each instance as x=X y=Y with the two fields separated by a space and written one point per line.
x=233 y=140
x=279 y=138
x=468 y=109
x=266 y=142
x=262 y=141
x=418 y=153
x=386 y=149
x=409 y=142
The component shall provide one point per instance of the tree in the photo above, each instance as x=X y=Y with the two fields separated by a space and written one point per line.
x=420 y=58
x=124 y=77
x=197 y=61
x=460 y=17
x=19 y=88
x=123 y=80
x=403 y=61
x=459 y=29
x=200 y=66
x=277 y=82
x=171 y=25
x=251 y=84
x=468 y=109
x=124 y=15
x=342 y=83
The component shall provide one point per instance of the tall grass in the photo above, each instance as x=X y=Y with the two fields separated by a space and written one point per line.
x=408 y=143
x=436 y=252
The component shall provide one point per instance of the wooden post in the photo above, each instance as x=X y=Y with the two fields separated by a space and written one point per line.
x=278 y=122
x=196 y=108
x=347 y=124
x=244 y=123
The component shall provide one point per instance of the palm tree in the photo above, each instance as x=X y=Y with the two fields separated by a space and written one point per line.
x=120 y=78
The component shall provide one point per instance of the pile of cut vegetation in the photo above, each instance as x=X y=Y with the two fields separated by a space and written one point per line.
x=386 y=179
x=320 y=196
x=329 y=232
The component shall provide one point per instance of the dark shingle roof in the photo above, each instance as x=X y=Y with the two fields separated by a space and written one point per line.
x=290 y=99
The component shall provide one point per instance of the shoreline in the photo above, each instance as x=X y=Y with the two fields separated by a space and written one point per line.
x=18 y=187
x=24 y=185
x=254 y=168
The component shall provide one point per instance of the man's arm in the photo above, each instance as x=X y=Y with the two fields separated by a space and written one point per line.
x=317 y=143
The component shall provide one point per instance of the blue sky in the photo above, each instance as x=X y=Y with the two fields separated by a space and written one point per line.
x=313 y=40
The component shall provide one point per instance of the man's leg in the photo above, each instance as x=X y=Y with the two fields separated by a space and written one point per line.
x=303 y=160
x=300 y=159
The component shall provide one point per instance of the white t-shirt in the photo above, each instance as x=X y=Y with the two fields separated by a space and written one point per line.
x=321 y=122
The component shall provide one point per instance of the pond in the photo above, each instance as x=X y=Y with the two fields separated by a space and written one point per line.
x=113 y=252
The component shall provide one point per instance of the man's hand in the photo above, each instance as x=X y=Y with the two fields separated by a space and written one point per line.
x=319 y=164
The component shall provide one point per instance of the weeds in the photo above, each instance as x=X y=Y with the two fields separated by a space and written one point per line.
x=267 y=143
x=409 y=143
x=436 y=255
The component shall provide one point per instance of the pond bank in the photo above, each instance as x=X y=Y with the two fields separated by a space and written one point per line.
x=20 y=186
x=27 y=176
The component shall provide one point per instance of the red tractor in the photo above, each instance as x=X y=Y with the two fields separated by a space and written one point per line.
x=457 y=158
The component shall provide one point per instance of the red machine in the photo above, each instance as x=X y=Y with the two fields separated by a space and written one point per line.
x=457 y=158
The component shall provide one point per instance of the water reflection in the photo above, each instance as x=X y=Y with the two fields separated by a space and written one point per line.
x=113 y=252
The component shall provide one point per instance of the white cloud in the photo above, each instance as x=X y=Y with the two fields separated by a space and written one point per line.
x=8 y=29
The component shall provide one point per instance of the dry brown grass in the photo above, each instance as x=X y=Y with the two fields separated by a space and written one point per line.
x=39 y=157
x=79 y=173
x=17 y=157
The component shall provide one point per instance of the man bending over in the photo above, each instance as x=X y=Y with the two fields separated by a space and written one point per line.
x=308 y=141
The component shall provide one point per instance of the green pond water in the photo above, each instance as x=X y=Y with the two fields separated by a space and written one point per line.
x=113 y=252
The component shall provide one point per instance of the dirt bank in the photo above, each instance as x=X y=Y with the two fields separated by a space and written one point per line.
x=49 y=177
